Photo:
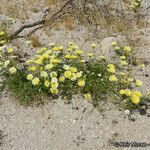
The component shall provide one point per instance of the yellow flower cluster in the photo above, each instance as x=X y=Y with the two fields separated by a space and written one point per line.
x=93 y=45
x=12 y=70
x=125 y=79
x=134 y=96
x=36 y=81
x=113 y=78
x=111 y=68
x=138 y=83
x=135 y=4
x=127 y=49
x=53 y=69
x=48 y=67
x=88 y=96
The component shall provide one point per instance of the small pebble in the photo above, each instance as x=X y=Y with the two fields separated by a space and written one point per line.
x=148 y=114
x=127 y=111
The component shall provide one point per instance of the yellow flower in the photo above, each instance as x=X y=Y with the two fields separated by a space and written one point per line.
x=73 y=69
x=113 y=78
x=39 y=51
x=56 y=61
x=54 y=90
x=93 y=45
x=30 y=77
x=111 y=70
x=81 y=83
x=135 y=99
x=6 y=63
x=67 y=74
x=55 y=49
x=127 y=92
x=41 y=68
x=29 y=61
x=78 y=52
x=122 y=73
x=47 y=83
x=45 y=56
x=117 y=48
x=138 y=83
x=90 y=55
x=32 y=68
x=49 y=66
x=61 y=47
x=53 y=74
x=68 y=56
x=111 y=66
x=124 y=63
x=35 y=81
x=82 y=61
x=127 y=49
x=114 y=43
x=39 y=61
x=124 y=81
x=43 y=49
x=130 y=80
x=66 y=67
x=137 y=93
x=54 y=82
x=142 y=66
x=69 y=49
x=88 y=96
x=123 y=57
x=61 y=79
x=79 y=74
x=74 y=47
x=44 y=74
x=12 y=70
x=10 y=50
x=73 y=77
x=73 y=57
x=122 y=92
x=2 y=42
x=48 y=52
x=2 y=33
x=1 y=48
x=70 y=43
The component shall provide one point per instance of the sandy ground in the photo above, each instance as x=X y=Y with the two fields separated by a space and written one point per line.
x=75 y=126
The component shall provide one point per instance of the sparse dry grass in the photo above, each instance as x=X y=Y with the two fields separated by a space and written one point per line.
x=112 y=18
x=68 y=23
x=52 y=2
x=35 y=41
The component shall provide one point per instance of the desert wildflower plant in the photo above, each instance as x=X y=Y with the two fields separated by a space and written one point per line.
x=135 y=4
x=64 y=71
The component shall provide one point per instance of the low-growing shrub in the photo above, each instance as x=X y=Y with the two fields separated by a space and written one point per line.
x=65 y=71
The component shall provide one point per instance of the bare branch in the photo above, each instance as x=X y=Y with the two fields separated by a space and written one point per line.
x=38 y=23
x=16 y=33
x=62 y=8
